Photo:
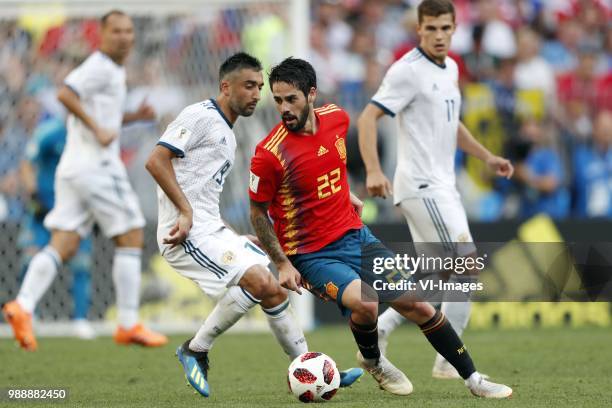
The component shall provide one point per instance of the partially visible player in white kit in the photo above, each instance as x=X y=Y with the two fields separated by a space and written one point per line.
x=422 y=90
x=190 y=163
x=91 y=185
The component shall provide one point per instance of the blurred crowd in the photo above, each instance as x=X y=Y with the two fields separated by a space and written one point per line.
x=536 y=79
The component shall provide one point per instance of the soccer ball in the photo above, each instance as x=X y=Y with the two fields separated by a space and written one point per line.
x=313 y=377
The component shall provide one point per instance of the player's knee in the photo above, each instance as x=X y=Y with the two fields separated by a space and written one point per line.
x=423 y=310
x=365 y=311
x=259 y=282
x=66 y=244
x=416 y=311
x=131 y=239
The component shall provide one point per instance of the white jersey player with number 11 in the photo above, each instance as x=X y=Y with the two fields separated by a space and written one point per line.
x=421 y=89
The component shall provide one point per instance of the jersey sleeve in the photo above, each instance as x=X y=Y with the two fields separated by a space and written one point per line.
x=265 y=176
x=397 y=89
x=181 y=134
x=87 y=79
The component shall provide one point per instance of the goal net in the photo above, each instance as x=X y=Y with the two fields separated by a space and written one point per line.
x=179 y=47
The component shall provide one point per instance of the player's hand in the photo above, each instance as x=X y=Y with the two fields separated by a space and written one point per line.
x=357 y=204
x=289 y=277
x=180 y=231
x=253 y=239
x=145 y=111
x=502 y=167
x=105 y=136
x=378 y=184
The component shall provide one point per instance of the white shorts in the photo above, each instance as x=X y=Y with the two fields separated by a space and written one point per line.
x=439 y=216
x=101 y=197
x=216 y=261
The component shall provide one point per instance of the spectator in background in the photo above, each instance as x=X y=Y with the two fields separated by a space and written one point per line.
x=542 y=175
x=480 y=65
x=561 y=51
x=532 y=71
x=582 y=93
x=383 y=20
x=505 y=93
x=14 y=135
x=497 y=36
x=49 y=80
x=353 y=65
x=592 y=17
x=604 y=63
x=592 y=165
x=322 y=59
x=329 y=14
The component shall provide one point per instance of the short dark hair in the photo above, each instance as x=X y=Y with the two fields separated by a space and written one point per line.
x=237 y=62
x=114 y=12
x=435 y=8
x=296 y=72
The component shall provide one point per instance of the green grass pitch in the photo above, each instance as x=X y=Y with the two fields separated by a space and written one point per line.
x=545 y=367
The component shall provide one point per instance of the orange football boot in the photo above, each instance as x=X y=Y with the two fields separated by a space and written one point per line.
x=139 y=335
x=21 y=323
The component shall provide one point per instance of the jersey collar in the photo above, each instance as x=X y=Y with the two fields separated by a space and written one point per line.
x=221 y=113
x=105 y=55
x=443 y=66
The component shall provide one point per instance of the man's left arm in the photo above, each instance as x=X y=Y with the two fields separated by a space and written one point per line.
x=466 y=142
x=357 y=203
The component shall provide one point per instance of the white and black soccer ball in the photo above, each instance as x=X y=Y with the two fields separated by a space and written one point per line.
x=313 y=377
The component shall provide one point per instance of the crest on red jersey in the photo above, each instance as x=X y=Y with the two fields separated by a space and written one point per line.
x=341 y=147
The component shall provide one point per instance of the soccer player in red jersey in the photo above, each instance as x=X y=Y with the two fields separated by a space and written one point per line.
x=317 y=240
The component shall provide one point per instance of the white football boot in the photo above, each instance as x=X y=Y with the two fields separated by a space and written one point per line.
x=389 y=377
x=480 y=387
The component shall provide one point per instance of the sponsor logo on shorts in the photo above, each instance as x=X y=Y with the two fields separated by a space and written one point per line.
x=331 y=290
x=463 y=237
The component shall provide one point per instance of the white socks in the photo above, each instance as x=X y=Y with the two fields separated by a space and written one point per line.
x=286 y=329
x=458 y=314
x=389 y=321
x=126 y=276
x=39 y=276
x=230 y=308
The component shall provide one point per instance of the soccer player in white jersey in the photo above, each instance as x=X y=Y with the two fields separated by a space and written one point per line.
x=422 y=90
x=91 y=185
x=190 y=163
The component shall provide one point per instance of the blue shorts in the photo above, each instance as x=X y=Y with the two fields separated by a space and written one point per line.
x=327 y=272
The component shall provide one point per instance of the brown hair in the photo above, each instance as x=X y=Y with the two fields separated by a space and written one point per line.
x=435 y=8
x=106 y=16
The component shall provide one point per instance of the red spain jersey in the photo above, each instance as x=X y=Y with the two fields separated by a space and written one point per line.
x=304 y=179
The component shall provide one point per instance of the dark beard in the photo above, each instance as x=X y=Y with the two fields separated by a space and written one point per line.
x=241 y=110
x=301 y=122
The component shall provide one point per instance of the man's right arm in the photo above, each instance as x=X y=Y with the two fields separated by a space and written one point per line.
x=376 y=182
x=159 y=165
x=265 y=232
x=72 y=102
x=288 y=276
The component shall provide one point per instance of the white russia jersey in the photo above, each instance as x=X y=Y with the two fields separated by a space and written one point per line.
x=100 y=84
x=426 y=99
x=205 y=146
